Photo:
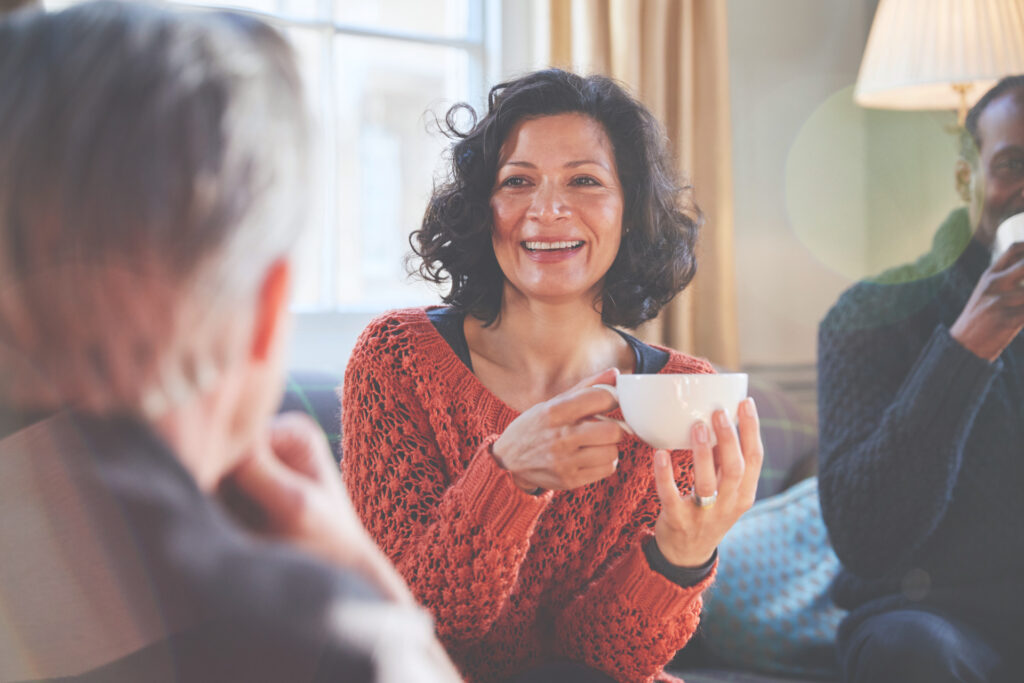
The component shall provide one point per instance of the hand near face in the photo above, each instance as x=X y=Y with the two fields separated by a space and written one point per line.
x=687 y=535
x=558 y=445
x=994 y=314
x=292 y=491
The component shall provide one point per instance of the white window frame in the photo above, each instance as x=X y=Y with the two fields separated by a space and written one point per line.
x=324 y=338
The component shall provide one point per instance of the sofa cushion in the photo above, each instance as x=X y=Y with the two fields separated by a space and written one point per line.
x=769 y=609
x=790 y=437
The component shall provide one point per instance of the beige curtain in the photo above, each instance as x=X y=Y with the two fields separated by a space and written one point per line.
x=672 y=55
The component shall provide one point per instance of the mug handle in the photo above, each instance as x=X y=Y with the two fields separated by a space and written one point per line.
x=604 y=418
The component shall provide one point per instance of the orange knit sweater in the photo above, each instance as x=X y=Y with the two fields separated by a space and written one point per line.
x=513 y=580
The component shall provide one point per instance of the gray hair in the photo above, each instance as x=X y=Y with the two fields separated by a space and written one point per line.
x=152 y=166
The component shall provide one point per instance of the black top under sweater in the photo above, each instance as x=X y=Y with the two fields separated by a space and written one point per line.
x=448 y=322
x=649 y=360
x=922 y=444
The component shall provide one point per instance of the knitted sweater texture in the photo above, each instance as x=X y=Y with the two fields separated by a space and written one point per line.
x=513 y=580
x=922 y=444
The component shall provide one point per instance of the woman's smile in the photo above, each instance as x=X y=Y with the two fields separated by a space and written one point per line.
x=552 y=251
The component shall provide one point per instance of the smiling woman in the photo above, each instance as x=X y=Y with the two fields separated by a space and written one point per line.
x=531 y=529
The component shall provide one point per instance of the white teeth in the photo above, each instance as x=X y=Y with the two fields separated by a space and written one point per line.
x=548 y=246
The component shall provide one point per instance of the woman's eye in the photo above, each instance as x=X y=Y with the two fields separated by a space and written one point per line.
x=514 y=181
x=585 y=181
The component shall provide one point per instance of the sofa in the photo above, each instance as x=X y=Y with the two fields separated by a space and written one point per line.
x=715 y=655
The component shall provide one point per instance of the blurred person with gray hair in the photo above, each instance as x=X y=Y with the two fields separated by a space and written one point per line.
x=155 y=524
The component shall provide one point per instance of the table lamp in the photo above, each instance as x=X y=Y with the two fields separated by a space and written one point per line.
x=939 y=54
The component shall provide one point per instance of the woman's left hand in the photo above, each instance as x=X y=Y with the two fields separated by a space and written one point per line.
x=687 y=534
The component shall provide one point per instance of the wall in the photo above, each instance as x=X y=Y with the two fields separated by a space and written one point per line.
x=787 y=59
x=911 y=186
x=826 y=192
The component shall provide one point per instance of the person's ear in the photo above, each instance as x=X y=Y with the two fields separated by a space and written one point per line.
x=271 y=309
x=964 y=174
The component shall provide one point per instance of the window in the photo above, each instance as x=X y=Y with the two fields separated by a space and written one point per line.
x=376 y=73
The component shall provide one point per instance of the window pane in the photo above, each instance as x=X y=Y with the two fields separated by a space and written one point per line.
x=388 y=150
x=449 y=18
x=313 y=50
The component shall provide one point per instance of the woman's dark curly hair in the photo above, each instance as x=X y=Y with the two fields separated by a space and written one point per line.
x=656 y=257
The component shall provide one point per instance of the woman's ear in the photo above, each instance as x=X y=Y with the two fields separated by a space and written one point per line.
x=271 y=310
x=964 y=174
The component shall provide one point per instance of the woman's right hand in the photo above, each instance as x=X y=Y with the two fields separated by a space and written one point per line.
x=558 y=445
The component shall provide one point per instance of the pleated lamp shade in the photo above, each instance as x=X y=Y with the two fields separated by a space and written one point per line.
x=939 y=54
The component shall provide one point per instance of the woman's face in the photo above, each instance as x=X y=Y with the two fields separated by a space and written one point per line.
x=557 y=205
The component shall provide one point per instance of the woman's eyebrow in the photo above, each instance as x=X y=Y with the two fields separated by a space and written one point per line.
x=568 y=164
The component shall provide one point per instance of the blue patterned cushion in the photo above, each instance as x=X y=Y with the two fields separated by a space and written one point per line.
x=769 y=609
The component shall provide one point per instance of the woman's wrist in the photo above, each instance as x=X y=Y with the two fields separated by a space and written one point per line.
x=525 y=486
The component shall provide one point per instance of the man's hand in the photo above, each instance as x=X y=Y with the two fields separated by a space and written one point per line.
x=995 y=312
x=293 y=487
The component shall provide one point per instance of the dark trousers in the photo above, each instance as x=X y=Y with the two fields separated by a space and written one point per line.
x=911 y=645
x=562 y=672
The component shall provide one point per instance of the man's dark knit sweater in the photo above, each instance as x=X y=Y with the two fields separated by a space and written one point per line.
x=922 y=443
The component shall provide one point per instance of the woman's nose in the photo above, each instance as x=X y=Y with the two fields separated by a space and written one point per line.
x=548 y=203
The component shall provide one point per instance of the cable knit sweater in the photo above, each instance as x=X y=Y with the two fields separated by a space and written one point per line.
x=513 y=580
x=922 y=444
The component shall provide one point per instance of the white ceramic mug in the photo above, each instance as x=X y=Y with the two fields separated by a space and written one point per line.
x=662 y=409
x=1009 y=231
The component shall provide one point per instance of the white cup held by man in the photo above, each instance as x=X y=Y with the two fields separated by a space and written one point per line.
x=1009 y=231
x=662 y=409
